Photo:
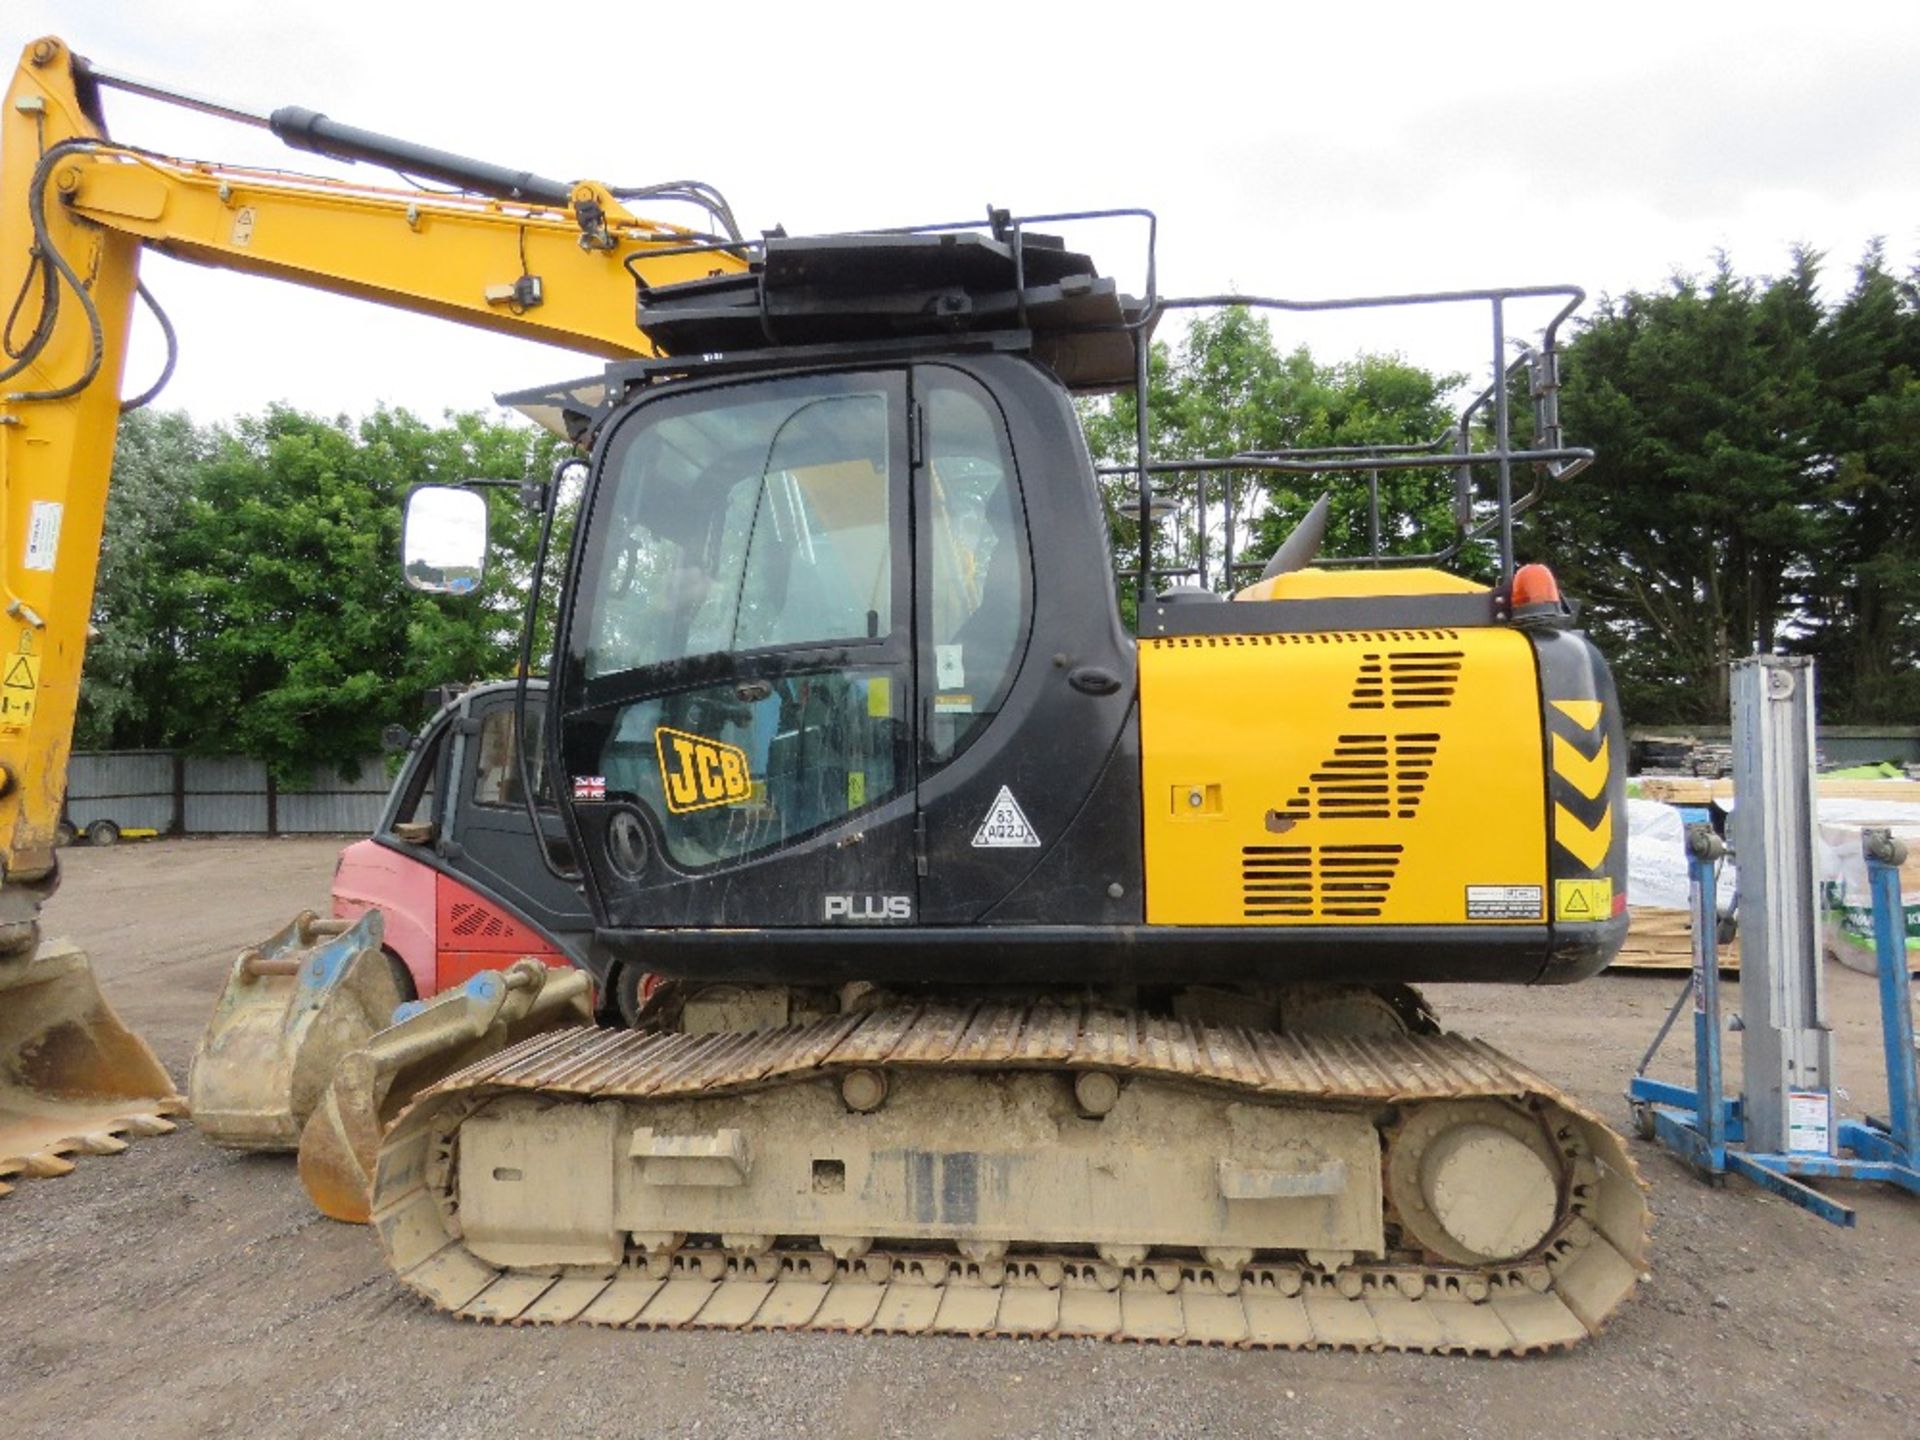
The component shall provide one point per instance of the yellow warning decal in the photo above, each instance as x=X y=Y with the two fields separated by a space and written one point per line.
x=1588 y=775
x=1583 y=899
x=1588 y=844
x=697 y=773
x=1584 y=713
x=19 y=684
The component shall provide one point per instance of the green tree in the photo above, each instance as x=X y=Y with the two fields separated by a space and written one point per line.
x=133 y=656
x=1692 y=537
x=1227 y=390
x=1863 y=606
x=264 y=613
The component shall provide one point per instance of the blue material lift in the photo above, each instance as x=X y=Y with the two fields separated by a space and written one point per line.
x=1707 y=1128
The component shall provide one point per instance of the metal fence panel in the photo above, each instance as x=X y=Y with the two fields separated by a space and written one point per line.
x=132 y=788
x=328 y=812
x=332 y=803
x=226 y=813
x=372 y=779
x=225 y=795
x=226 y=775
x=129 y=812
x=108 y=774
x=221 y=795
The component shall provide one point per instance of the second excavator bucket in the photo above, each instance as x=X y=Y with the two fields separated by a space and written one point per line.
x=73 y=1078
x=493 y=1010
x=292 y=1009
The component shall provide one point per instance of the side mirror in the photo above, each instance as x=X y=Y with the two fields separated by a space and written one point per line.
x=443 y=544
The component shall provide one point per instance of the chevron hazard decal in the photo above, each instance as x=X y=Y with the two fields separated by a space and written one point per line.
x=1584 y=777
x=1584 y=713
x=1588 y=776
x=1587 y=844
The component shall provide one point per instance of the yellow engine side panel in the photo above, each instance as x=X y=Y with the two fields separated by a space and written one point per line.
x=1365 y=778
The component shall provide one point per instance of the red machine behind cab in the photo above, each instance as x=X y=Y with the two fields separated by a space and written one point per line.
x=449 y=865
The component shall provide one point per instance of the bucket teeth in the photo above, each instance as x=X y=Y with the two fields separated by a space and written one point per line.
x=74 y=1080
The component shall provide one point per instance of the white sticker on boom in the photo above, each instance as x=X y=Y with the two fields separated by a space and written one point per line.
x=1005 y=827
x=43 y=535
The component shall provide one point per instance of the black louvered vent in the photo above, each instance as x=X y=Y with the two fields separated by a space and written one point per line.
x=1368 y=777
x=1304 y=882
x=1412 y=769
x=1277 y=880
x=1302 y=637
x=1406 y=680
x=1354 y=879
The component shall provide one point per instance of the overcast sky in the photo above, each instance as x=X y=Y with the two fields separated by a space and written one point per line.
x=1288 y=149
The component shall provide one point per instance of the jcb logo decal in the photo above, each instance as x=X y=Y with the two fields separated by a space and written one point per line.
x=697 y=773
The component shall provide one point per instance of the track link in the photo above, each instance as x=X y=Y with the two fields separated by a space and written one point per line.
x=1556 y=1295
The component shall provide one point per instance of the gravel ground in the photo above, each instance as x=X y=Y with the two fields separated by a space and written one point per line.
x=178 y=1290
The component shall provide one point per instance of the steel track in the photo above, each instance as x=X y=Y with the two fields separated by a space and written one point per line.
x=1553 y=1298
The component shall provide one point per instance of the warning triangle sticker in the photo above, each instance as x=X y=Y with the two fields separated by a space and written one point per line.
x=1005 y=827
x=21 y=676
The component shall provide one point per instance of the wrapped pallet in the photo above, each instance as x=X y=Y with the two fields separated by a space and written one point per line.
x=1660 y=936
x=1846 y=905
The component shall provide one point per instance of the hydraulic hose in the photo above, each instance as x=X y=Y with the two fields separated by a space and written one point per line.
x=37 y=212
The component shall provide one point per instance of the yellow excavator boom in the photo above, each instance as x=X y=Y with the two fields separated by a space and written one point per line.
x=558 y=264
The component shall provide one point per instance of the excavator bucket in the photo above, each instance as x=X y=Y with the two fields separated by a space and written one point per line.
x=493 y=1010
x=73 y=1078
x=292 y=1009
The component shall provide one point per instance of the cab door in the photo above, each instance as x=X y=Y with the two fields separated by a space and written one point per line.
x=489 y=852
x=973 y=597
x=1027 y=767
x=738 y=679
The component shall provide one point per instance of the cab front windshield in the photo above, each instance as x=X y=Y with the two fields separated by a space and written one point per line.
x=745 y=524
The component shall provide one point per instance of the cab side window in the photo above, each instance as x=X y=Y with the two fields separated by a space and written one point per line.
x=496 y=779
x=977 y=571
x=416 y=804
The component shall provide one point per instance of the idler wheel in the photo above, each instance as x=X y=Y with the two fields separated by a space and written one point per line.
x=1476 y=1183
x=864 y=1090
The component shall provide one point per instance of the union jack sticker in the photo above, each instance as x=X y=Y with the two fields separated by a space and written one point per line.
x=589 y=787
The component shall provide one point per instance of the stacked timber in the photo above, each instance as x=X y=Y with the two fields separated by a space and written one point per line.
x=1660 y=938
x=1683 y=755
x=1681 y=790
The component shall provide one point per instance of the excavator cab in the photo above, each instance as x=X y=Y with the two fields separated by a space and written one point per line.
x=801 y=653
x=845 y=669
